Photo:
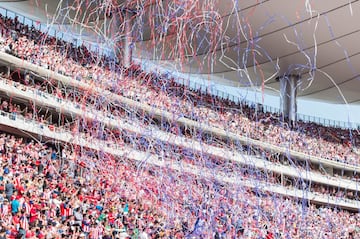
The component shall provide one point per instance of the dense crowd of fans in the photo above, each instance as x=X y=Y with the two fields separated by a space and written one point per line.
x=72 y=194
x=176 y=153
x=120 y=137
x=49 y=194
x=62 y=57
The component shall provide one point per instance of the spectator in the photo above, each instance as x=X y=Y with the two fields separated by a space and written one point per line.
x=9 y=188
x=15 y=205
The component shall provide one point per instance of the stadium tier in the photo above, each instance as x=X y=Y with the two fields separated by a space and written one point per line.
x=92 y=149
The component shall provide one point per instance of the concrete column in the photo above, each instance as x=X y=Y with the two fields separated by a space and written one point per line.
x=128 y=40
x=288 y=92
x=121 y=34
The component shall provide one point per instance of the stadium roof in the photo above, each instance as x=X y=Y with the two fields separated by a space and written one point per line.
x=239 y=43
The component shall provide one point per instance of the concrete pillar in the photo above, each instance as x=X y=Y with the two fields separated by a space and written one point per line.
x=288 y=92
x=128 y=40
x=121 y=35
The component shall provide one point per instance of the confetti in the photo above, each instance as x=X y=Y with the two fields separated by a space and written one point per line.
x=114 y=151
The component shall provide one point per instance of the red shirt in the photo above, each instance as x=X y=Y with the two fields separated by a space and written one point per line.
x=33 y=214
x=30 y=234
x=16 y=220
x=269 y=235
x=111 y=217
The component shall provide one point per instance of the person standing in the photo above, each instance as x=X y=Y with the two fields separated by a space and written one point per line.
x=15 y=205
x=9 y=190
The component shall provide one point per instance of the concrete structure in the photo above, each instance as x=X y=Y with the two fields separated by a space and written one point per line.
x=288 y=93
x=288 y=86
x=119 y=25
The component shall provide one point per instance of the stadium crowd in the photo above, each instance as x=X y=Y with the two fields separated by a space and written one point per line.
x=140 y=142
x=63 y=193
x=47 y=193
x=10 y=106
x=159 y=91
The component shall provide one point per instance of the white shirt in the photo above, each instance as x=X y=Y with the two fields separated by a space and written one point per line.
x=143 y=235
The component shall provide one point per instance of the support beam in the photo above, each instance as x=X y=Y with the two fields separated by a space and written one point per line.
x=121 y=35
x=128 y=40
x=282 y=181
x=288 y=92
